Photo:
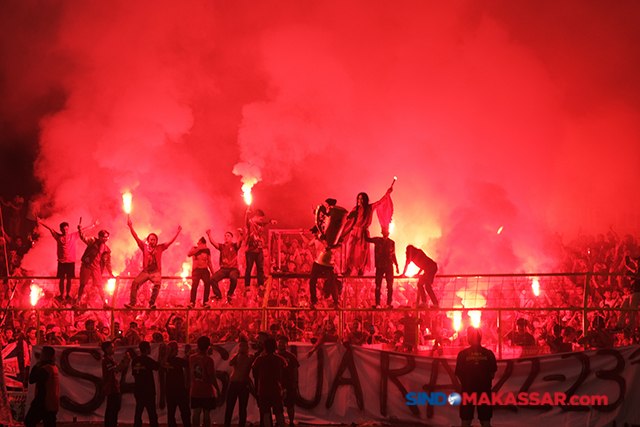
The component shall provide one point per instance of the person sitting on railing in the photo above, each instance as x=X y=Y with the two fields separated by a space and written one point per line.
x=228 y=262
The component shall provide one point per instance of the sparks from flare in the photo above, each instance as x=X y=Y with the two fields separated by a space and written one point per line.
x=500 y=230
x=126 y=202
x=185 y=273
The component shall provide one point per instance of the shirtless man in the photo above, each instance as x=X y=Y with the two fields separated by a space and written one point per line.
x=201 y=270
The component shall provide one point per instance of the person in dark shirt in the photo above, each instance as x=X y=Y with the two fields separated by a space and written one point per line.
x=111 y=385
x=267 y=372
x=520 y=337
x=426 y=266
x=289 y=378
x=145 y=386
x=44 y=407
x=239 y=383
x=475 y=367
x=385 y=259
x=203 y=382
x=176 y=387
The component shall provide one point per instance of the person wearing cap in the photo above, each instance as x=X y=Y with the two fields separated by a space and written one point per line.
x=176 y=386
x=111 y=385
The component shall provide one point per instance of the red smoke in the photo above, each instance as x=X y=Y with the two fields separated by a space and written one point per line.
x=492 y=114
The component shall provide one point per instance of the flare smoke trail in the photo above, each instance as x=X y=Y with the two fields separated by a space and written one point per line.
x=492 y=114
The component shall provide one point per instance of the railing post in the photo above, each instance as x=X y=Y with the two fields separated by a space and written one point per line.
x=38 y=326
x=585 y=303
x=186 y=329
x=499 y=334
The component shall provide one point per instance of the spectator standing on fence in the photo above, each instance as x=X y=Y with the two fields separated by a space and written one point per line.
x=201 y=271
x=111 y=385
x=289 y=378
x=203 y=382
x=151 y=265
x=145 y=386
x=475 y=367
x=385 y=260
x=239 y=383
x=428 y=269
x=228 y=263
x=44 y=374
x=176 y=386
x=267 y=372
x=95 y=260
x=254 y=253
x=66 y=252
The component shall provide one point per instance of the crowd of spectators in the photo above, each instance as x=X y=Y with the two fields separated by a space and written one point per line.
x=403 y=329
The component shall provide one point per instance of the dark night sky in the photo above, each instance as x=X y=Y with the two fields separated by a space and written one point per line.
x=491 y=113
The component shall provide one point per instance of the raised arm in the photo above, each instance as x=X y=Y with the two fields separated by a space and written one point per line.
x=375 y=204
x=212 y=240
x=133 y=233
x=174 y=237
x=406 y=263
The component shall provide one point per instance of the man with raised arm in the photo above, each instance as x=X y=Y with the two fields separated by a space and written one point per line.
x=151 y=264
x=66 y=252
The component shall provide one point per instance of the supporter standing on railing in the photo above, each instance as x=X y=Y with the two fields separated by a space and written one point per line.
x=385 y=260
x=201 y=270
x=66 y=251
x=358 y=223
x=255 y=223
x=95 y=260
x=228 y=263
x=426 y=266
x=151 y=265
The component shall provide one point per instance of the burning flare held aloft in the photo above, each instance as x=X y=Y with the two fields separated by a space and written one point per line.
x=126 y=202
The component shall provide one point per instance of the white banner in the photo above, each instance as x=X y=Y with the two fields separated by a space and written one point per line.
x=338 y=385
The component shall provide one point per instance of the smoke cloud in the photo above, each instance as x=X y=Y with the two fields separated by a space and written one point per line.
x=493 y=115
